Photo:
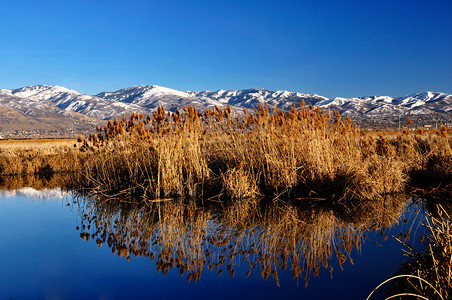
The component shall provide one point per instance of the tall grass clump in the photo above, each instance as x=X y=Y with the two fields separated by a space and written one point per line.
x=302 y=152
x=305 y=152
x=150 y=157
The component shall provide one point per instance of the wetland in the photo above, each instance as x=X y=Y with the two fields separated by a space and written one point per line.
x=260 y=204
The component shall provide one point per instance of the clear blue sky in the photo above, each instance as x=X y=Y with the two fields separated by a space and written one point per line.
x=332 y=48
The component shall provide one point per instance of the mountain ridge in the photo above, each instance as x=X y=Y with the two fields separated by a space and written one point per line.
x=45 y=102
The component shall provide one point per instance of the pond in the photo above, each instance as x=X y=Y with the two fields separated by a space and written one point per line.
x=60 y=245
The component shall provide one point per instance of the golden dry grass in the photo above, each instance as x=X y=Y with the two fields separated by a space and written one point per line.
x=306 y=152
x=38 y=156
x=303 y=153
x=37 y=144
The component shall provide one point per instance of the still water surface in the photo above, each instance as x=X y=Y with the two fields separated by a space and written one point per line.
x=46 y=252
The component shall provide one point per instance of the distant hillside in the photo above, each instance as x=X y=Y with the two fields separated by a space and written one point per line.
x=44 y=109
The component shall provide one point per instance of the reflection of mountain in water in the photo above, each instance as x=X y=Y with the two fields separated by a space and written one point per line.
x=270 y=238
x=30 y=192
x=45 y=186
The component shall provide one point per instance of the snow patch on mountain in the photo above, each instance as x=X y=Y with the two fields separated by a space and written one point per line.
x=151 y=96
x=44 y=92
x=143 y=94
x=250 y=98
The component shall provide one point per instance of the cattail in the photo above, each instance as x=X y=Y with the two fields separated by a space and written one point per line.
x=420 y=131
x=409 y=122
x=443 y=131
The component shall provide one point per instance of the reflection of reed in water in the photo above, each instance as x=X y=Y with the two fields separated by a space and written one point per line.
x=427 y=273
x=38 y=182
x=378 y=214
x=191 y=238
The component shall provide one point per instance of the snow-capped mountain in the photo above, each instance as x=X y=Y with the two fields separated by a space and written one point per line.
x=151 y=96
x=420 y=103
x=253 y=97
x=25 y=115
x=438 y=102
x=70 y=100
x=43 y=104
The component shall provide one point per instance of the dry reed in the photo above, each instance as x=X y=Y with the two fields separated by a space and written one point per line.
x=306 y=152
x=303 y=153
x=428 y=273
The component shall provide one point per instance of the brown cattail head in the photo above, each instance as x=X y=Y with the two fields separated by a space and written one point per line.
x=443 y=130
x=420 y=131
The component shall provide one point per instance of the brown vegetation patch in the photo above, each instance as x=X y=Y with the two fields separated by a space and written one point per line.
x=304 y=153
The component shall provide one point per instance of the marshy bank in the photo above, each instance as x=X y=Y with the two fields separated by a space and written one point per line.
x=306 y=153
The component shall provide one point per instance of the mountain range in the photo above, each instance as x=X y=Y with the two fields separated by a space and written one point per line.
x=43 y=108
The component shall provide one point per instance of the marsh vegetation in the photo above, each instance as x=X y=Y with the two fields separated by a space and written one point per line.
x=303 y=153
x=427 y=271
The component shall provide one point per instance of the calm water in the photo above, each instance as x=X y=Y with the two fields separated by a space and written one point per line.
x=56 y=246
